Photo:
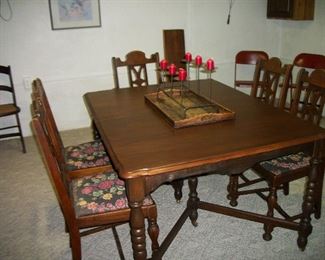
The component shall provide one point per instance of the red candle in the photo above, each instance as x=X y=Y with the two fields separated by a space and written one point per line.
x=210 y=64
x=198 y=60
x=188 y=57
x=172 y=69
x=163 y=64
x=182 y=74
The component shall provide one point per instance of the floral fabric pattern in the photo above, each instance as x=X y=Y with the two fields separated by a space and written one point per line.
x=287 y=163
x=99 y=194
x=86 y=155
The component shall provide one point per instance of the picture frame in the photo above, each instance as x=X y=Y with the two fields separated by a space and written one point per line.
x=73 y=14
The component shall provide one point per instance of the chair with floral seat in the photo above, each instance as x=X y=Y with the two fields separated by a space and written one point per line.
x=308 y=104
x=136 y=63
x=90 y=203
x=75 y=160
x=268 y=76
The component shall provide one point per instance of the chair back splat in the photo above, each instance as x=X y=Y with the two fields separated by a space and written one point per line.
x=10 y=108
x=136 y=65
x=309 y=96
x=268 y=76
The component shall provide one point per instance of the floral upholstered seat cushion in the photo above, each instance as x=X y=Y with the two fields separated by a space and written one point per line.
x=286 y=163
x=100 y=193
x=86 y=155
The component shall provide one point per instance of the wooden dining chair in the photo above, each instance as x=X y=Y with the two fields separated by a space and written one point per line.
x=91 y=203
x=136 y=64
x=247 y=58
x=268 y=76
x=77 y=160
x=308 y=104
x=308 y=61
x=10 y=108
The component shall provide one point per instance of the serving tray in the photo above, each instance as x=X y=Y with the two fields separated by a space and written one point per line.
x=182 y=107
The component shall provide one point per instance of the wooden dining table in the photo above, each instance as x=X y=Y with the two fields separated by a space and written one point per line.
x=147 y=151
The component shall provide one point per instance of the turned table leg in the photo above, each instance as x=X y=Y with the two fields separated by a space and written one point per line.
x=193 y=200
x=135 y=191
x=232 y=189
x=178 y=185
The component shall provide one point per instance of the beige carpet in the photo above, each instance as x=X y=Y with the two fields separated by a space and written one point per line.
x=32 y=226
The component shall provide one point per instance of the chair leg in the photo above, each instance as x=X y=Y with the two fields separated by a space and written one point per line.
x=319 y=191
x=96 y=135
x=75 y=244
x=178 y=186
x=21 y=134
x=232 y=189
x=271 y=202
x=153 y=230
x=286 y=188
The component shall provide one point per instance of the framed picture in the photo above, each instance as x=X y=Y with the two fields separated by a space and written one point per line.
x=71 y=14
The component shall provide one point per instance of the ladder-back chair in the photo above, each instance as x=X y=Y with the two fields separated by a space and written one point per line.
x=10 y=108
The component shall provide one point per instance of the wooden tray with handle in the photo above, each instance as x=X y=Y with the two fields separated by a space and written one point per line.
x=182 y=107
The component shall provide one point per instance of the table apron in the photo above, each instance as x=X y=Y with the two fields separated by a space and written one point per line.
x=226 y=167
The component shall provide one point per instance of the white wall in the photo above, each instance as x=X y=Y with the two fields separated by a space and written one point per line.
x=248 y=30
x=72 y=62
x=304 y=36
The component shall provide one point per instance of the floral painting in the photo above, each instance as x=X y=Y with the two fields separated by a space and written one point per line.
x=68 y=14
x=75 y=10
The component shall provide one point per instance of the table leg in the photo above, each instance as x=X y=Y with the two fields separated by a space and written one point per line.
x=135 y=191
x=178 y=185
x=193 y=200
x=309 y=198
x=232 y=189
